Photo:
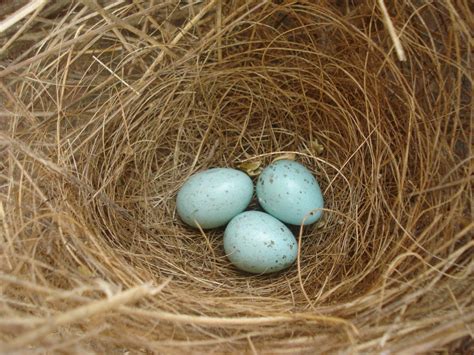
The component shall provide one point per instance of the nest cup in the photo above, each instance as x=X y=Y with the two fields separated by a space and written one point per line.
x=107 y=115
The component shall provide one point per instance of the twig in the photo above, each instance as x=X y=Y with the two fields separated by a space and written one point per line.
x=115 y=75
x=391 y=30
x=20 y=14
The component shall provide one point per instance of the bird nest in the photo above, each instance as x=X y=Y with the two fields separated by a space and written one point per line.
x=107 y=107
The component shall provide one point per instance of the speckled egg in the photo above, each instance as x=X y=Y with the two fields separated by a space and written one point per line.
x=213 y=197
x=288 y=191
x=258 y=243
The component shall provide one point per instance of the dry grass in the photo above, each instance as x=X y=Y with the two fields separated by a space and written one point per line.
x=108 y=106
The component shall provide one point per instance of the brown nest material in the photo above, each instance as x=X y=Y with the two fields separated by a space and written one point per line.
x=108 y=106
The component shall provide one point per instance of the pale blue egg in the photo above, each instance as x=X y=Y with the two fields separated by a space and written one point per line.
x=288 y=191
x=213 y=197
x=258 y=243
